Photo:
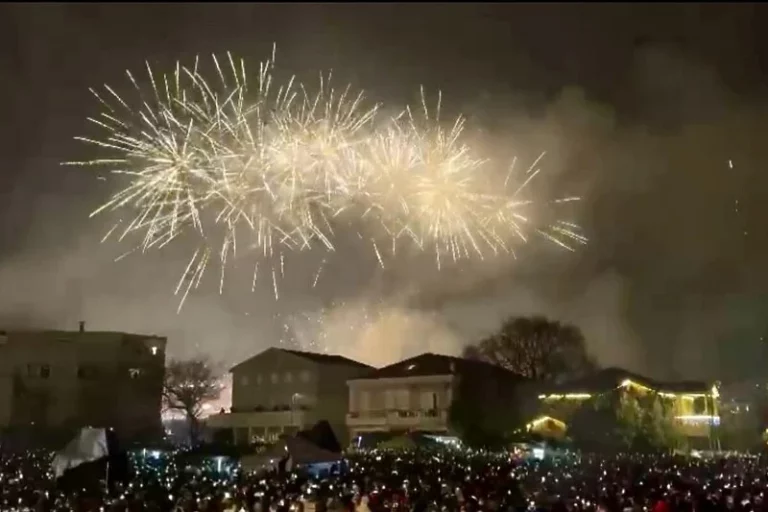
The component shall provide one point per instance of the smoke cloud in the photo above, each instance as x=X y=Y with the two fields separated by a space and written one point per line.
x=653 y=134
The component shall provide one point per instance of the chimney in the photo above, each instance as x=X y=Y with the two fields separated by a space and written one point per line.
x=82 y=326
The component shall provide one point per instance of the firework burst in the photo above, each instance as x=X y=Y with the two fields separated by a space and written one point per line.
x=269 y=169
x=260 y=172
x=422 y=183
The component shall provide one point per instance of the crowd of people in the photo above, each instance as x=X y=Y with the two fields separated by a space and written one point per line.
x=444 y=480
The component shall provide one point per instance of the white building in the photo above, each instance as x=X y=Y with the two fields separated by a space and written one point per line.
x=280 y=391
x=415 y=395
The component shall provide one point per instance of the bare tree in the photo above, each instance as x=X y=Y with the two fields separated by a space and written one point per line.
x=535 y=347
x=189 y=385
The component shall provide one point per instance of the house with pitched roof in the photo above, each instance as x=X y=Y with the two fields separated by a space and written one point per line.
x=695 y=405
x=280 y=391
x=415 y=395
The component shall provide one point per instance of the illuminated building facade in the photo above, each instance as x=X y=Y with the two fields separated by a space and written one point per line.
x=282 y=391
x=695 y=405
x=56 y=381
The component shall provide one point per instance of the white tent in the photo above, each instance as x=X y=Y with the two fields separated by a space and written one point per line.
x=89 y=445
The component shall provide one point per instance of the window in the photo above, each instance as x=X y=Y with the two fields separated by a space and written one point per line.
x=275 y=378
x=135 y=373
x=306 y=376
x=40 y=371
x=87 y=372
x=244 y=380
x=154 y=350
x=258 y=380
x=288 y=377
x=365 y=401
x=700 y=405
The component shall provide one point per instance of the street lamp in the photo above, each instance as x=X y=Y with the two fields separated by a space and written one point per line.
x=294 y=397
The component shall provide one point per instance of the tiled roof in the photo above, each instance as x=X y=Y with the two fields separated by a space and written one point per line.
x=326 y=358
x=312 y=356
x=429 y=364
x=610 y=378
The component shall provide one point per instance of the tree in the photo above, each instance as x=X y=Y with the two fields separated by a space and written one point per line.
x=622 y=420
x=595 y=425
x=189 y=384
x=535 y=347
x=660 y=420
x=483 y=415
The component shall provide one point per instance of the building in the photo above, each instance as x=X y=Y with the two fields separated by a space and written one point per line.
x=415 y=395
x=695 y=405
x=281 y=391
x=56 y=381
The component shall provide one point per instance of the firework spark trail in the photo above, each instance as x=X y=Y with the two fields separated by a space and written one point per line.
x=425 y=185
x=276 y=168
x=317 y=274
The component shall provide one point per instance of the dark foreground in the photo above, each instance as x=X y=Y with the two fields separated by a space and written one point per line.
x=408 y=481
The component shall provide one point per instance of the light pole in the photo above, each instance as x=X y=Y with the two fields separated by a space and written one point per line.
x=293 y=406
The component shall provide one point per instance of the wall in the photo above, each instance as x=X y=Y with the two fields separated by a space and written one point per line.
x=43 y=374
x=302 y=390
x=6 y=399
x=274 y=379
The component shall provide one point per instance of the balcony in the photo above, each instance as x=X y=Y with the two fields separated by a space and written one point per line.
x=398 y=420
x=697 y=425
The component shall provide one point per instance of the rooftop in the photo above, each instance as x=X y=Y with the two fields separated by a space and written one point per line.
x=326 y=358
x=52 y=333
x=429 y=364
x=315 y=357
x=611 y=378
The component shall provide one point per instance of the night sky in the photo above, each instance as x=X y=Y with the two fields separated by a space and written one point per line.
x=656 y=115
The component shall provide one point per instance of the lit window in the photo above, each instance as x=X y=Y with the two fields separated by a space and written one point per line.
x=288 y=377
x=154 y=351
x=275 y=378
x=306 y=376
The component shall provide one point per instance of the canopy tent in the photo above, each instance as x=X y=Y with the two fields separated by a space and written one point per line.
x=321 y=434
x=317 y=445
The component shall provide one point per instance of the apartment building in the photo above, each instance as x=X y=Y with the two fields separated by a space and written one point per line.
x=415 y=395
x=281 y=391
x=62 y=380
x=695 y=404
